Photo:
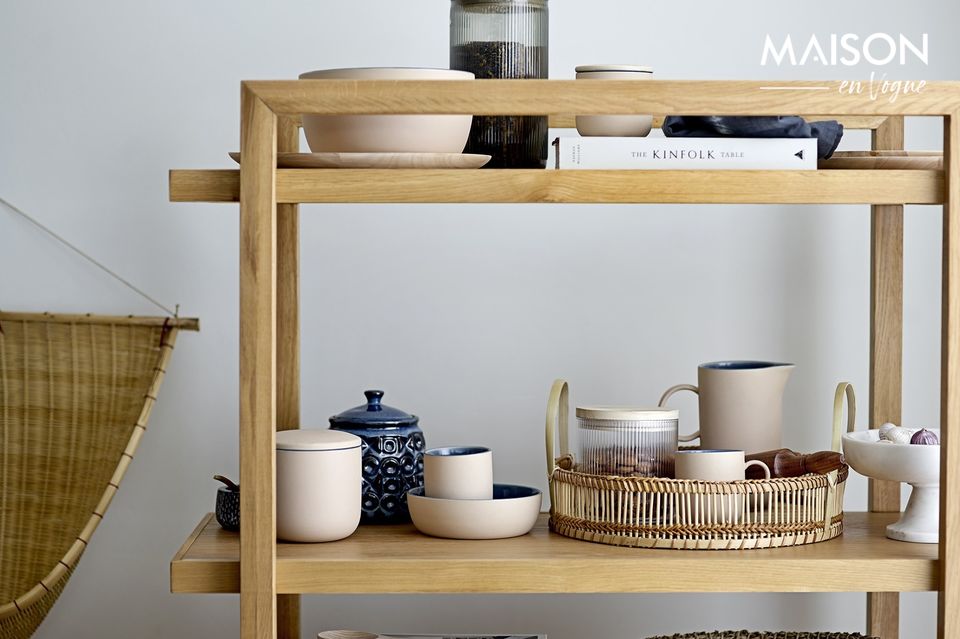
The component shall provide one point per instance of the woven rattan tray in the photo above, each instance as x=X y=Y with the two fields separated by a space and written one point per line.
x=653 y=512
x=745 y=634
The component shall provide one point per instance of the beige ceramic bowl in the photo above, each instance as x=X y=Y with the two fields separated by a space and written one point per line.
x=512 y=512
x=614 y=125
x=386 y=133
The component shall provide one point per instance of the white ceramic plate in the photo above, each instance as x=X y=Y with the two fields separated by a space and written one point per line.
x=512 y=512
x=378 y=160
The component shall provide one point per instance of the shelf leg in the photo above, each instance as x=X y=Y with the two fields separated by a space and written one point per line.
x=288 y=342
x=258 y=375
x=949 y=603
x=886 y=358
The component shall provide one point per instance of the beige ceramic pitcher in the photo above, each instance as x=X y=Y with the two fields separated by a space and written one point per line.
x=741 y=405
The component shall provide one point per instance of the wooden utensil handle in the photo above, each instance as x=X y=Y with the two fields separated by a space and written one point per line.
x=784 y=462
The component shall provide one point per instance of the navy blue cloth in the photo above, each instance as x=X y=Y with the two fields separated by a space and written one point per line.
x=828 y=132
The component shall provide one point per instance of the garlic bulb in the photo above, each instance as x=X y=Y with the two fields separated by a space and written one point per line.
x=886 y=427
x=898 y=435
x=925 y=437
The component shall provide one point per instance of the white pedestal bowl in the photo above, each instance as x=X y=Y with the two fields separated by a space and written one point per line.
x=914 y=464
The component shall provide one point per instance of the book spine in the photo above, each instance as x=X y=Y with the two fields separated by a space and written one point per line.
x=744 y=154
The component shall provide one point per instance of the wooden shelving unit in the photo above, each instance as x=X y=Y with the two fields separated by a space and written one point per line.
x=270 y=576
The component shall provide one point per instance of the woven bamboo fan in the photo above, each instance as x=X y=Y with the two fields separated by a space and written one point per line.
x=75 y=396
x=653 y=512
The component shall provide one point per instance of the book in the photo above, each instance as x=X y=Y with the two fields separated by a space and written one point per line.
x=652 y=153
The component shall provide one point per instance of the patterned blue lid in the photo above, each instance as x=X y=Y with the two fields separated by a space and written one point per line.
x=374 y=413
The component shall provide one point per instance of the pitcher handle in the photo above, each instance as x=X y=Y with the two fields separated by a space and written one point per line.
x=558 y=412
x=844 y=389
x=663 y=402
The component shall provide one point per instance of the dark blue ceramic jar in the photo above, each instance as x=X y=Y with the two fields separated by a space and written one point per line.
x=393 y=448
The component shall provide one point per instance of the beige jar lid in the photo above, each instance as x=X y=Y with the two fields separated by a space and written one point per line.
x=627 y=413
x=316 y=439
x=621 y=68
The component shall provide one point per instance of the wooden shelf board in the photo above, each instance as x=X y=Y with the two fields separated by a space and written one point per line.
x=397 y=559
x=574 y=186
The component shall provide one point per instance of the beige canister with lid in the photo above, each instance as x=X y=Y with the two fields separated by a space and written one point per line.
x=318 y=485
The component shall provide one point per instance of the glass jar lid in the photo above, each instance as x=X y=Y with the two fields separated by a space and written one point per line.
x=536 y=3
x=627 y=413
x=374 y=413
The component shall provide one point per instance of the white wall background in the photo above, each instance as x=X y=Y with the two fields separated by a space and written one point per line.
x=463 y=315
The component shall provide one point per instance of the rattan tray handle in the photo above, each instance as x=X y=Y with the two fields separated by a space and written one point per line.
x=558 y=416
x=843 y=389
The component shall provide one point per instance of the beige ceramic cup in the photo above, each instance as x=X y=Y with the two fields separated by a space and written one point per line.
x=458 y=472
x=717 y=465
x=741 y=404
x=614 y=125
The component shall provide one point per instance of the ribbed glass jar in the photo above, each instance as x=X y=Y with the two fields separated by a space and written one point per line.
x=627 y=442
x=503 y=39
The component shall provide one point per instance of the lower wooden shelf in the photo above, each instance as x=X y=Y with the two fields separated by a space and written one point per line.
x=398 y=559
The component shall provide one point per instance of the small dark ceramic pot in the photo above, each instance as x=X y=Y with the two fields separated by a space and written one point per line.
x=392 y=452
x=228 y=508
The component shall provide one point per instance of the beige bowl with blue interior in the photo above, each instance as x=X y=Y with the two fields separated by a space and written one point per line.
x=614 y=125
x=512 y=512
x=386 y=133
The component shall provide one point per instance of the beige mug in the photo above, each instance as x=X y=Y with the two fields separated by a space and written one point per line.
x=720 y=466
x=715 y=465
x=741 y=404
x=458 y=472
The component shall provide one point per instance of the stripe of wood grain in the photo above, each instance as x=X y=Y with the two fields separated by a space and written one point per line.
x=258 y=380
x=886 y=358
x=949 y=605
x=549 y=97
x=288 y=341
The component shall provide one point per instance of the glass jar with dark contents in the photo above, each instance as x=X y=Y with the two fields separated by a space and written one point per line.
x=503 y=39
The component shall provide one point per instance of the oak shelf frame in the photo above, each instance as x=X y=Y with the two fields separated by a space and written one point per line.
x=541 y=562
x=271 y=574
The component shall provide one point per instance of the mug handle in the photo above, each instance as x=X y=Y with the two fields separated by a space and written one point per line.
x=663 y=402
x=757 y=462
x=844 y=389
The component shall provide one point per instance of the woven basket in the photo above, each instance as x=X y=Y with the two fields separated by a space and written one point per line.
x=75 y=396
x=653 y=512
x=746 y=634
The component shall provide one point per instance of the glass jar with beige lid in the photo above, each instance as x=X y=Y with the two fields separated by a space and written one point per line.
x=626 y=441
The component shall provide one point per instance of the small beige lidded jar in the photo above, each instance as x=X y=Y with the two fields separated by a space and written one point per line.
x=318 y=485
x=625 y=441
x=614 y=125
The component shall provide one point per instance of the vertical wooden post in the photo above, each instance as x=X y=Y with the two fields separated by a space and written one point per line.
x=288 y=341
x=949 y=604
x=886 y=358
x=258 y=374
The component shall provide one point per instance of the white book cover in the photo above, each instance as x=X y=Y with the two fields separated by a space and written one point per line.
x=652 y=153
